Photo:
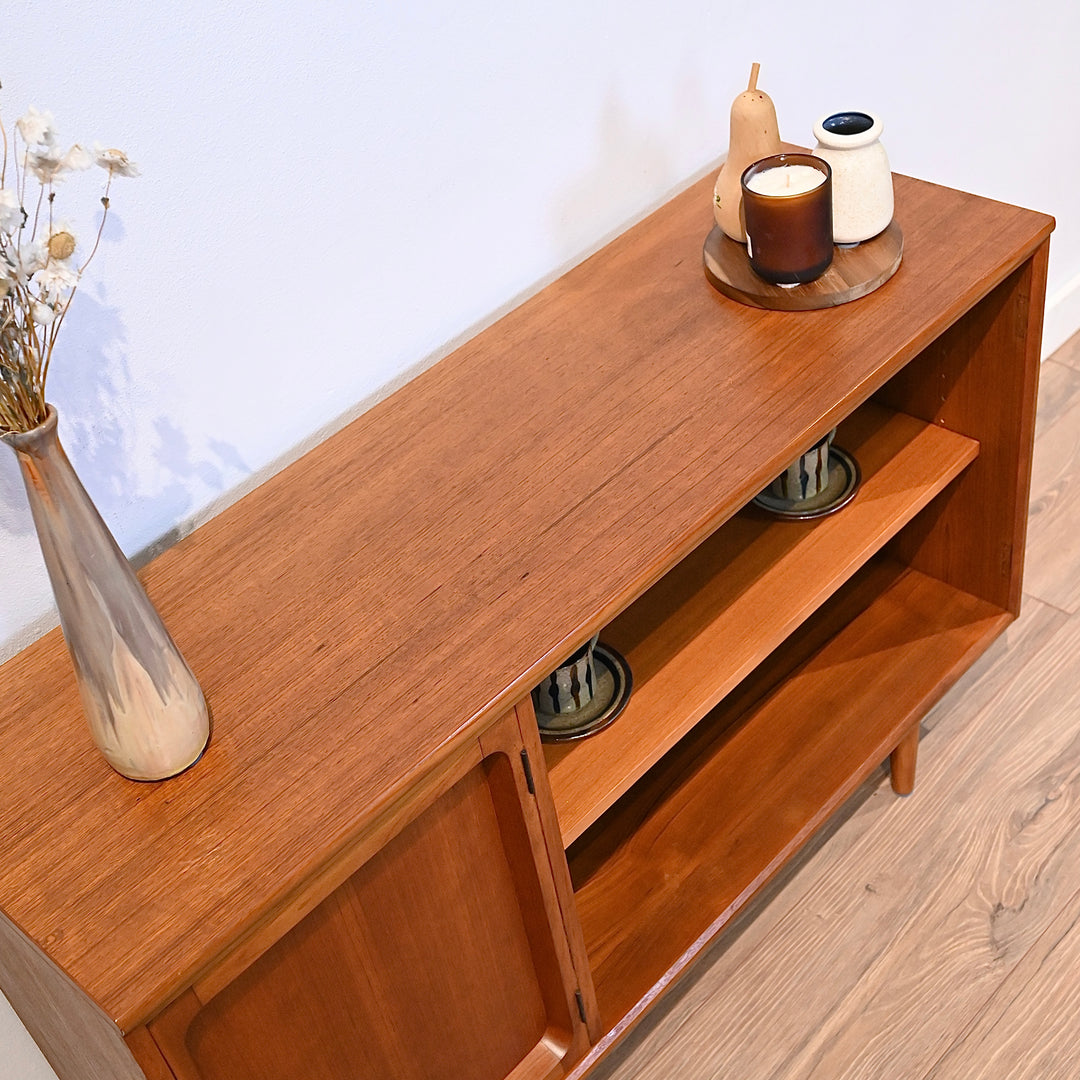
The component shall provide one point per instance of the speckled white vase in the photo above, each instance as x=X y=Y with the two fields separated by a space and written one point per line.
x=862 y=180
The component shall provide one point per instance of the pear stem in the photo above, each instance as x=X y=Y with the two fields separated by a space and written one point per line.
x=752 y=85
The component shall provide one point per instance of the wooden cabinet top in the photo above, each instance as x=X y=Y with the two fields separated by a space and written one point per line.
x=361 y=614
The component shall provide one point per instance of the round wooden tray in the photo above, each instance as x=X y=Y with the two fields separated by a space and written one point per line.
x=854 y=272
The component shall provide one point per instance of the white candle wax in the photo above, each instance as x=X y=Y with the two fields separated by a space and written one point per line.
x=786 y=180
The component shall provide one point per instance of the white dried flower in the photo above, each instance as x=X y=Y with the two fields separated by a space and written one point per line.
x=36 y=127
x=47 y=230
x=46 y=163
x=38 y=267
x=78 y=158
x=56 y=278
x=114 y=161
x=42 y=314
x=30 y=259
x=11 y=211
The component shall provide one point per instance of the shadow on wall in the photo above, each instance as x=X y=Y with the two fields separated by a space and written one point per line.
x=179 y=463
x=15 y=517
x=83 y=383
x=92 y=386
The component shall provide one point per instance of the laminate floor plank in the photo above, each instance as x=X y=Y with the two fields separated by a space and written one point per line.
x=1059 y=390
x=1069 y=353
x=1029 y=1030
x=1052 y=560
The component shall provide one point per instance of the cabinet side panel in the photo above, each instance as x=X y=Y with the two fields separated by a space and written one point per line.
x=980 y=378
x=418 y=967
x=77 y=1039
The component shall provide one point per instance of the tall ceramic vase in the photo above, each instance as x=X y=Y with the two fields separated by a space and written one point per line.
x=145 y=708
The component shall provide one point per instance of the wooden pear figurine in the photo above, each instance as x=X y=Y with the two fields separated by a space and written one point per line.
x=754 y=135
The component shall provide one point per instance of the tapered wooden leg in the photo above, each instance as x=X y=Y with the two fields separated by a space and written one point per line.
x=902 y=762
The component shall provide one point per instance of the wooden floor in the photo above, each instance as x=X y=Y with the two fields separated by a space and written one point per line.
x=934 y=936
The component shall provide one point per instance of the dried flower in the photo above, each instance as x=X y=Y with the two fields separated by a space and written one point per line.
x=115 y=161
x=38 y=275
x=28 y=260
x=44 y=314
x=36 y=127
x=45 y=162
x=56 y=278
x=11 y=211
x=48 y=162
x=60 y=245
x=78 y=158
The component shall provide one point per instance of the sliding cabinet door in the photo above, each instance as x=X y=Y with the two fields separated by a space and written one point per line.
x=445 y=955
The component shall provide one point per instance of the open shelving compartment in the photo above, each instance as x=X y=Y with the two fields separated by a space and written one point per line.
x=687 y=639
x=775 y=668
x=781 y=662
x=762 y=771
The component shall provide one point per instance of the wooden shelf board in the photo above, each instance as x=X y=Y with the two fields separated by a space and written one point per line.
x=703 y=627
x=670 y=864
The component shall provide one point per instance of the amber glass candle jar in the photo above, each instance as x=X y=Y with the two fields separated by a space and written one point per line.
x=787 y=203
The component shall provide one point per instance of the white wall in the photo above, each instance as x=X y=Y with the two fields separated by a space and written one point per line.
x=334 y=193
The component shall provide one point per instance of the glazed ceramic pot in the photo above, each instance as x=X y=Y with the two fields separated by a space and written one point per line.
x=570 y=687
x=807 y=475
x=862 y=188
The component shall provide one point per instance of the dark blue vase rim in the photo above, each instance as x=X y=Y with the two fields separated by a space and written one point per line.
x=851 y=122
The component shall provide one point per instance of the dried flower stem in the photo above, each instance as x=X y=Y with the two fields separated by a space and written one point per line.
x=101 y=227
x=38 y=275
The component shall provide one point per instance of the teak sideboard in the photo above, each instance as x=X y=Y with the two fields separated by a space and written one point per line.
x=378 y=870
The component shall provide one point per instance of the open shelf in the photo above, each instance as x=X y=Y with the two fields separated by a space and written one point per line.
x=659 y=875
x=693 y=636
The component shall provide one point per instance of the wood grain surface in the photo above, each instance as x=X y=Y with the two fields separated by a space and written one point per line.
x=898 y=946
x=935 y=937
x=76 y=1038
x=1055 y=508
x=529 y=733
x=1029 y=1031
x=971 y=380
x=366 y=611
